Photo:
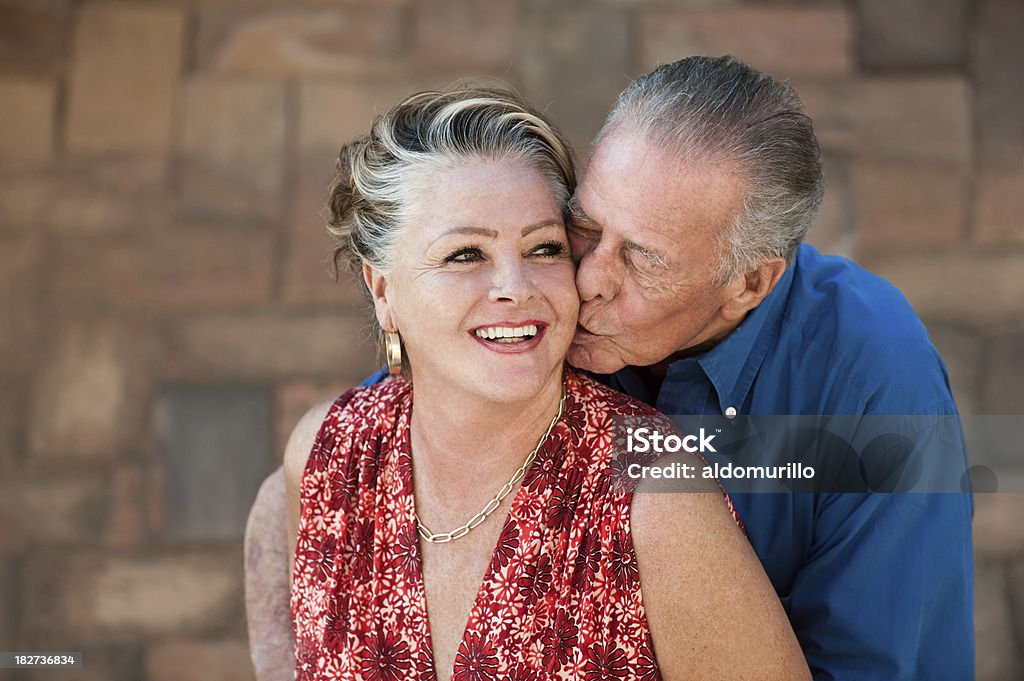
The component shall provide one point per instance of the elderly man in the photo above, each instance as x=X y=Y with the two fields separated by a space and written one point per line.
x=698 y=298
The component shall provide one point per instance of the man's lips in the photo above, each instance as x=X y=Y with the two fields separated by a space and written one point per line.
x=583 y=335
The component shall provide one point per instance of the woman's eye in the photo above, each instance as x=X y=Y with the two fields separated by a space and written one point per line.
x=550 y=249
x=464 y=255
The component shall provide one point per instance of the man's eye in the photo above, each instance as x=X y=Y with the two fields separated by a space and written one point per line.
x=464 y=255
x=647 y=263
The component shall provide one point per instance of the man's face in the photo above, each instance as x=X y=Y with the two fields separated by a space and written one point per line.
x=644 y=236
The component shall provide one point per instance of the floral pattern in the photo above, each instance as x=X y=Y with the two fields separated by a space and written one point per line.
x=561 y=597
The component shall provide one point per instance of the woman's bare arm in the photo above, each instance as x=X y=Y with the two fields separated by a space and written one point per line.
x=712 y=611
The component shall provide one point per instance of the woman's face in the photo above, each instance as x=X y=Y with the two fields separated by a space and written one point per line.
x=482 y=287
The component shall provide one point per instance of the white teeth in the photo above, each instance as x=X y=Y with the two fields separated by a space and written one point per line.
x=514 y=334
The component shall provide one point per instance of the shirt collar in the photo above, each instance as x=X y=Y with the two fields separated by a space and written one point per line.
x=732 y=364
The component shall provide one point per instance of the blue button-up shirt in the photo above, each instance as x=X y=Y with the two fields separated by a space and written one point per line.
x=877 y=586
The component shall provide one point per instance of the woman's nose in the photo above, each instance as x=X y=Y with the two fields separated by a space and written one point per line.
x=511 y=283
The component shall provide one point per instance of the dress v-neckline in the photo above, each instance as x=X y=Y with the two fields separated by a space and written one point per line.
x=418 y=582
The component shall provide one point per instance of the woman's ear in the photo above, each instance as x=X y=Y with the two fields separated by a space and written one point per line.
x=377 y=285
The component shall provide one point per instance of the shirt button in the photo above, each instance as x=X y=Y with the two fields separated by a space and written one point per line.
x=730 y=412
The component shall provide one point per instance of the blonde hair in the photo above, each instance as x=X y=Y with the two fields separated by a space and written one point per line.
x=377 y=175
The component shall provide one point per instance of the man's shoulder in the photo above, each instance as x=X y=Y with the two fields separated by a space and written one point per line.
x=837 y=302
x=856 y=335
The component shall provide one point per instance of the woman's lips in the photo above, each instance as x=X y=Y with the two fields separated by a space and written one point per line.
x=506 y=348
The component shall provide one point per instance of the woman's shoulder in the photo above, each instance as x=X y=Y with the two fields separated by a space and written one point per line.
x=321 y=422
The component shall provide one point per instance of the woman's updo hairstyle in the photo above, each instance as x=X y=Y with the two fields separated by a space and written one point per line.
x=378 y=175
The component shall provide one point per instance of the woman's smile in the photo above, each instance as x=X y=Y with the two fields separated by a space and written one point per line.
x=510 y=337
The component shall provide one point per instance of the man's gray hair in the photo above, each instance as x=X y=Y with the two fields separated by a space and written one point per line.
x=721 y=111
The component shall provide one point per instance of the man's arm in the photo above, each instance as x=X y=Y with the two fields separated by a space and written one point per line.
x=271 y=644
x=887 y=592
x=268 y=554
x=886 y=587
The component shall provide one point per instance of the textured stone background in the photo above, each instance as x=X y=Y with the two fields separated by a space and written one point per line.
x=166 y=315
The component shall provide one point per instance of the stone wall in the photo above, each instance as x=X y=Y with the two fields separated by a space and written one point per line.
x=167 y=315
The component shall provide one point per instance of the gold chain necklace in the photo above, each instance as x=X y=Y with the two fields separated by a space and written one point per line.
x=493 y=504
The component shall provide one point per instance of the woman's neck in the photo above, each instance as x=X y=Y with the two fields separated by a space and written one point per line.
x=466 y=447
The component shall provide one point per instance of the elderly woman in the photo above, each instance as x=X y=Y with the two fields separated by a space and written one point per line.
x=461 y=519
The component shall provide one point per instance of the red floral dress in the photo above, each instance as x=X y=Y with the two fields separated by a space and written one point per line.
x=560 y=600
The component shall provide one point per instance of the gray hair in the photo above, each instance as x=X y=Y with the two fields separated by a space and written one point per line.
x=378 y=175
x=723 y=111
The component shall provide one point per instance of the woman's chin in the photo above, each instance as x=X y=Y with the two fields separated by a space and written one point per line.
x=517 y=385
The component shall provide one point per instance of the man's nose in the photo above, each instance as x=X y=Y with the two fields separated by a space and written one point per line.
x=599 y=273
x=511 y=283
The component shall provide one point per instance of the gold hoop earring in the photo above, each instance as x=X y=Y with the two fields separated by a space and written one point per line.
x=393 y=350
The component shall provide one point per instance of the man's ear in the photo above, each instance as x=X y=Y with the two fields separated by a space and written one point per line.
x=377 y=285
x=746 y=291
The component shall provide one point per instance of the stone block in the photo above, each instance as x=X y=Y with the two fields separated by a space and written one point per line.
x=352 y=39
x=214 y=443
x=920 y=119
x=125 y=65
x=997 y=658
x=912 y=33
x=907 y=205
x=962 y=352
x=824 y=102
x=308 y=271
x=962 y=286
x=565 y=76
x=697 y=4
x=334 y=111
x=21 y=263
x=12 y=425
x=1005 y=374
x=781 y=41
x=999 y=208
x=87 y=196
x=127 y=522
x=998 y=52
x=34 y=35
x=51 y=510
x=89 y=396
x=998 y=523
x=27 y=119
x=926 y=119
x=1016 y=575
x=199 y=660
x=833 y=228
x=97 y=597
x=442 y=30
x=174 y=268
x=9 y=584
x=295 y=398
x=273 y=344
x=232 y=160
